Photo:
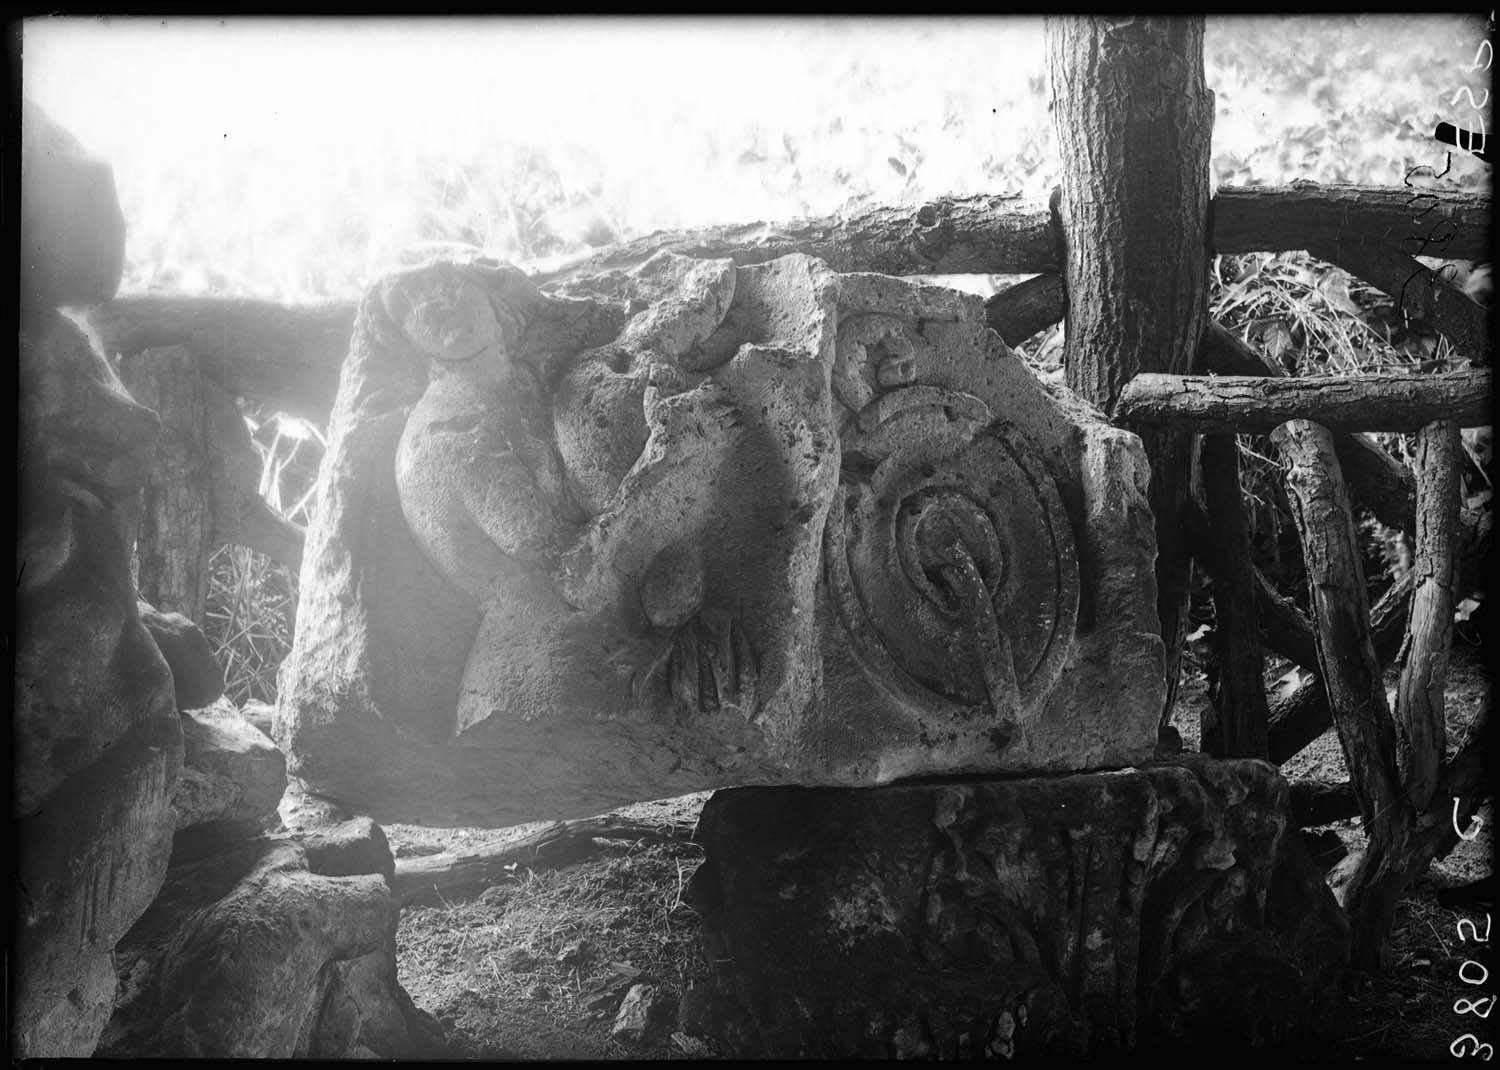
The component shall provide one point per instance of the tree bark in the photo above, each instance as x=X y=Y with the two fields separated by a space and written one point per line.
x=1287 y=632
x=1380 y=482
x=284 y=356
x=1024 y=309
x=1234 y=721
x=1448 y=224
x=1134 y=118
x=945 y=236
x=1304 y=715
x=1356 y=693
x=1383 y=401
x=1419 y=292
x=205 y=490
x=174 y=537
x=240 y=515
x=1421 y=733
x=289 y=356
x=1282 y=627
x=1322 y=802
x=1002 y=235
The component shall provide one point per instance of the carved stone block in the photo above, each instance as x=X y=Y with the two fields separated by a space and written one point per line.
x=1167 y=907
x=700 y=525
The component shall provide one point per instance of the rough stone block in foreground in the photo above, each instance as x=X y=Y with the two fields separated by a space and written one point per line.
x=270 y=947
x=699 y=525
x=1169 y=907
x=95 y=740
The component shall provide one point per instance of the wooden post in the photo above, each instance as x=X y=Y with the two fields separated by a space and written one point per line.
x=1352 y=676
x=1134 y=117
x=1376 y=401
x=203 y=491
x=1234 y=722
x=175 y=535
x=1421 y=731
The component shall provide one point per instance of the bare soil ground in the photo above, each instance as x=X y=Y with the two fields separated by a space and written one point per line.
x=536 y=966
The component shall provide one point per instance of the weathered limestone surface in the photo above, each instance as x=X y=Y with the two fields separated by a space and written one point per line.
x=95 y=736
x=197 y=678
x=95 y=742
x=233 y=777
x=270 y=947
x=1165 y=907
x=72 y=230
x=697 y=525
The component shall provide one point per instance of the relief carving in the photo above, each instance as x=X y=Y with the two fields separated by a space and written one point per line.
x=698 y=525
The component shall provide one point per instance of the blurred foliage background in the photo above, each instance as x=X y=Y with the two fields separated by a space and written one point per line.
x=296 y=160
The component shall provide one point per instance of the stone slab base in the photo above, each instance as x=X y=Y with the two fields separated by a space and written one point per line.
x=1166 y=907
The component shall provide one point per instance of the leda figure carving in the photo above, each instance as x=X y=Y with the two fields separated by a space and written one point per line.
x=624 y=518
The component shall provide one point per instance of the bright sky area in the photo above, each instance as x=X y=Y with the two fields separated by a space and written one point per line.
x=282 y=139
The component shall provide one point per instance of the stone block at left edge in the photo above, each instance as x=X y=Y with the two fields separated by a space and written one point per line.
x=1168 y=907
x=72 y=230
x=95 y=739
x=271 y=947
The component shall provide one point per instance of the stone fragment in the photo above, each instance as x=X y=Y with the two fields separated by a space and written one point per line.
x=72 y=230
x=697 y=525
x=301 y=810
x=259 y=714
x=197 y=679
x=232 y=777
x=71 y=1025
x=691 y=1045
x=1170 y=907
x=575 y=953
x=706 y=1011
x=348 y=849
x=96 y=742
x=645 y=1014
x=252 y=952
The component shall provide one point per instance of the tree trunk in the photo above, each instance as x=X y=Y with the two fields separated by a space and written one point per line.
x=1234 y=722
x=1304 y=715
x=204 y=491
x=1378 y=401
x=1134 y=119
x=1421 y=733
x=175 y=535
x=1352 y=676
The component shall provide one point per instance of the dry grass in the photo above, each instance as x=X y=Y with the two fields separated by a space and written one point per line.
x=252 y=601
x=252 y=609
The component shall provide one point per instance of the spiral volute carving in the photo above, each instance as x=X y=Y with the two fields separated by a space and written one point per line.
x=950 y=559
